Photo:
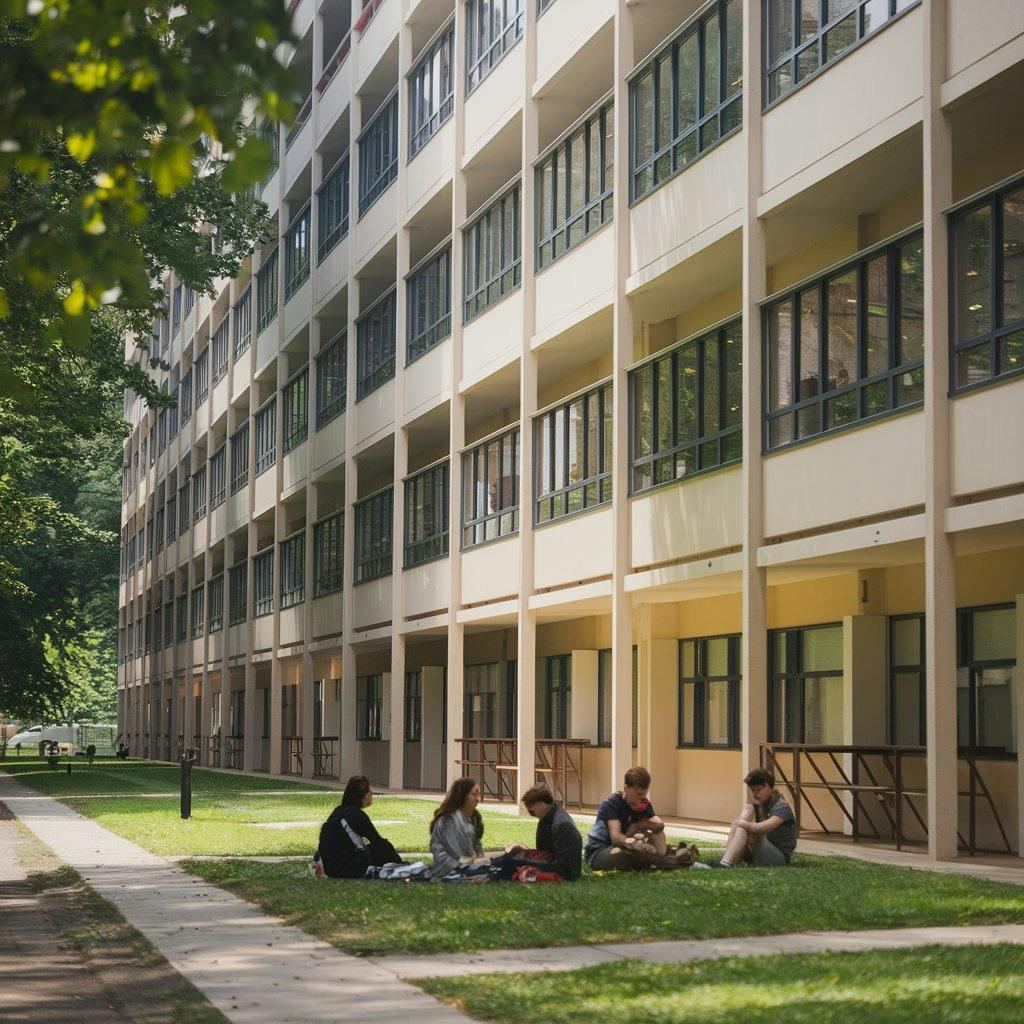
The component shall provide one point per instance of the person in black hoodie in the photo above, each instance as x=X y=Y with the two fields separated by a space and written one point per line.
x=559 y=843
x=349 y=842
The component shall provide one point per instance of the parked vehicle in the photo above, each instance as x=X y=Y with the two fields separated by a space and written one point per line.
x=69 y=738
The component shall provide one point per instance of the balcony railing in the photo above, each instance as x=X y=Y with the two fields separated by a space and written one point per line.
x=557 y=763
x=234 y=747
x=872 y=790
x=291 y=755
x=325 y=749
x=335 y=62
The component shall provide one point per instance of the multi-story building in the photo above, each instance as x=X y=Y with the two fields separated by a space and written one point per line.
x=626 y=381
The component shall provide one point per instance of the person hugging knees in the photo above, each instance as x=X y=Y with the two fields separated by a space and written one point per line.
x=765 y=832
x=628 y=836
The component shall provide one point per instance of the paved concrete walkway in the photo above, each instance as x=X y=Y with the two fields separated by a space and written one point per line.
x=252 y=967
x=570 y=958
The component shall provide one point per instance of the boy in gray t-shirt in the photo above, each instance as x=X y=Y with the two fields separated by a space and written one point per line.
x=765 y=832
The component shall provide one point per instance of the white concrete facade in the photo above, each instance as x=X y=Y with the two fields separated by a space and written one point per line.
x=910 y=508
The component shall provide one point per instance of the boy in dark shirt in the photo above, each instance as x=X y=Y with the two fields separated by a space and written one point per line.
x=765 y=832
x=558 y=845
x=628 y=836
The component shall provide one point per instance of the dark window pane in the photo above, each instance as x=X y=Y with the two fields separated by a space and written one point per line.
x=974 y=274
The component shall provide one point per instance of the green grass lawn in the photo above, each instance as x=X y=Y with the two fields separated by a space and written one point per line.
x=932 y=985
x=814 y=893
x=230 y=813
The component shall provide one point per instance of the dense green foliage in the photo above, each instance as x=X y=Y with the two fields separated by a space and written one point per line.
x=107 y=112
x=970 y=985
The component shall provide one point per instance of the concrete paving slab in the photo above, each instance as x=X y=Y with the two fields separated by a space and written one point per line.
x=569 y=958
x=254 y=968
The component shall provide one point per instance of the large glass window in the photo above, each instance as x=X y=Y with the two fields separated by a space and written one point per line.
x=176 y=310
x=426 y=515
x=413 y=707
x=296 y=253
x=709 y=692
x=493 y=27
x=215 y=603
x=375 y=346
x=490 y=497
x=573 y=455
x=328 y=554
x=198 y=494
x=429 y=313
x=202 y=369
x=332 y=208
x=802 y=36
x=296 y=409
x=805 y=685
x=369 y=707
x=557 y=723
x=198 y=619
x=906 y=681
x=270 y=134
x=240 y=458
x=847 y=347
x=574 y=185
x=181 y=616
x=988 y=270
x=219 y=476
x=265 y=422
x=604 y=696
x=491 y=262
x=489 y=700
x=266 y=293
x=238 y=581
x=986 y=657
x=331 y=367
x=172 y=518
x=687 y=97
x=219 y=347
x=169 y=622
x=184 y=508
x=185 y=397
x=293 y=570
x=373 y=536
x=243 y=321
x=686 y=408
x=432 y=89
x=263 y=583
x=378 y=154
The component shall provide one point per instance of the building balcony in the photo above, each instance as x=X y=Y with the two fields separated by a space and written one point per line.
x=493 y=338
x=573 y=549
x=565 y=29
x=494 y=101
x=427 y=380
x=371 y=603
x=425 y=588
x=327 y=615
x=379 y=32
x=577 y=285
x=431 y=167
x=982 y=423
x=490 y=571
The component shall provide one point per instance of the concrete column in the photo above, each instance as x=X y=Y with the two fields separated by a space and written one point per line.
x=526 y=642
x=253 y=733
x=754 y=645
x=456 y=418
x=939 y=562
x=308 y=674
x=396 y=719
x=1018 y=704
x=347 y=748
x=622 y=356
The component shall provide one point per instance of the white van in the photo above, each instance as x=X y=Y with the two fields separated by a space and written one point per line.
x=70 y=738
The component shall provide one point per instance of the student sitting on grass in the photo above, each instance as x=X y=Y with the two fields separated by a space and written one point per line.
x=559 y=844
x=349 y=842
x=456 y=830
x=765 y=832
x=629 y=836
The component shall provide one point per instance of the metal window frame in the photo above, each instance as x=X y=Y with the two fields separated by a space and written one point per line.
x=375 y=364
x=298 y=257
x=329 y=581
x=292 y=582
x=370 y=707
x=378 y=167
x=798 y=676
x=327 y=411
x=330 y=234
x=476 y=235
x=418 y=345
x=295 y=429
x=267 y=411
x=603 y=391
x=263 y=602
x=215 y=620
x=720 y=438
x=993 y=200
x=604 y=111
x=242 y=311
x=240 y=478
x=420 y=135
x=510 y=509
x=239 y=612
x=266 y=292
x=418 y=550
x=699 y=682
x=220 y=366
x=219 y=476
x=496 y=45
x=965 y=659
x=370 y=511
x=919 y=668
x=860 y=386
x=669 y=50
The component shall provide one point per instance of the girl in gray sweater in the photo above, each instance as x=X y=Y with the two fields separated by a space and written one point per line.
x=456 y=829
